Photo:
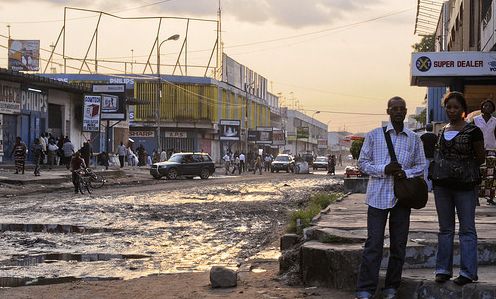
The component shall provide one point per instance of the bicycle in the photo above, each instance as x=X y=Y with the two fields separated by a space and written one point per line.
x=87 y=179
x=96 y=181
x=83 y=181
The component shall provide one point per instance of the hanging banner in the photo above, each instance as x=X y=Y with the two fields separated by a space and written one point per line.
x=278 y=137
x=91 y=113
x=229 y=129
x=24 y=55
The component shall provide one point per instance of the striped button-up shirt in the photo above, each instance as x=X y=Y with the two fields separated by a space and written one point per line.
x=374 y=157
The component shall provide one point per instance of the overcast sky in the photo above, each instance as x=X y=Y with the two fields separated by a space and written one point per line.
x=327 y=55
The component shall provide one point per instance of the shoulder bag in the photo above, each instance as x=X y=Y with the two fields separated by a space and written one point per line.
x=456 y=170
x=410 y=192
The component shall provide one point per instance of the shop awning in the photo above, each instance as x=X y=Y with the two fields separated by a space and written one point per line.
x=443 y=68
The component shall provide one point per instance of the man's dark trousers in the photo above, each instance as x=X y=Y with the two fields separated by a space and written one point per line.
x=121 y=161
x=399 y=223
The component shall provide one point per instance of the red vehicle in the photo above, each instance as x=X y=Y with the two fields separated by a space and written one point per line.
x=352 y=170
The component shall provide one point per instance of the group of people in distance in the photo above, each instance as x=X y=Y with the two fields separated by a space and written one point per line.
x=455 y=195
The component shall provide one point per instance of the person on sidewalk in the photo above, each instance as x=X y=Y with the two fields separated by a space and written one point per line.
x=461 y=145
x=37 y=150
x=487 y=123
x=258 y=165
x=19 y=153
x=242 y=163
x=52 y=153
x=122 y=151
x=227 y=162
x=429 y=141
x=375 y=161
x=86 y=152
x=68 y=150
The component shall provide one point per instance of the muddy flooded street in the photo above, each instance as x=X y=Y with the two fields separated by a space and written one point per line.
x=130 y=231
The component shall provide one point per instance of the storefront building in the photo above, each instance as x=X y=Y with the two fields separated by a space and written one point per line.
x=463 y=61
x=31 y=105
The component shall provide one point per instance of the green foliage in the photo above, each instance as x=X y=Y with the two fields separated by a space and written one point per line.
x=426 y=44
x=317 y=202
x=356 y=147
x=422 y=117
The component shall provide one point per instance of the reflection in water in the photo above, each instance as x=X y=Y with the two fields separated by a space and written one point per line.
x=51 y=228
x=11 y=282
x=174 y=231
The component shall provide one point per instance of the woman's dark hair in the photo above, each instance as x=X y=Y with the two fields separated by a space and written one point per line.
x=458 y=96
x=488 y=101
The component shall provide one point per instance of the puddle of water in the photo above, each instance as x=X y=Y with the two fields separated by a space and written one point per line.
x=67 y=257
x=52 y=228
x=11 y=282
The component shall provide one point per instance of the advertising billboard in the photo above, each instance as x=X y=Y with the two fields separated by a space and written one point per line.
x=91 y=113
x=278 y=137
x=264 y=135
x=302 y=132
x=24 y=55
x=113 y=100
x=252 y=135
x=229 y=129
x=322 y=143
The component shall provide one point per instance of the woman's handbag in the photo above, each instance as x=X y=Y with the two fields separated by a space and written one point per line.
x=411 y=192
x=457 y=170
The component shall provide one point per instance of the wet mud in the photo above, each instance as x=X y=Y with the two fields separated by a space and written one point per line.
x=63 y=237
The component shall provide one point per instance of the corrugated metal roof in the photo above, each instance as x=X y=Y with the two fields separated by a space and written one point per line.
x=428 y=12
x=40 y=81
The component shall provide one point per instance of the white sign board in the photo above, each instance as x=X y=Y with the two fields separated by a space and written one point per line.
x=452 y=64
x=91 y=113
x=176 y=135
x=116 y=88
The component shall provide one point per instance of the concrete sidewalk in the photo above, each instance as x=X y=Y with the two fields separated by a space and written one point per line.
x=332 y=251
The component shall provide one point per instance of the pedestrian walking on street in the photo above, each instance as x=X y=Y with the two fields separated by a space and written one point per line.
x=236 y=165
x=19 y=153
x=242 y=163
x=227 y=162
x=258 y=165
x=487 y=123
x=376 y=162
x=340 y=160
x=331 y=165
x=86 y=153
x=52 y=153
x=460 y=145
x=122 y=151
x=38 y=156
x=68 y=150
x=267 y=161
x=77 y=164
x=163 y=155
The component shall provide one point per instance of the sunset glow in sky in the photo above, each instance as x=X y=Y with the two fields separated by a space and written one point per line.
x=326 y=55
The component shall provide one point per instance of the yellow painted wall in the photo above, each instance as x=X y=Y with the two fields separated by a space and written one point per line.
x=194 y=102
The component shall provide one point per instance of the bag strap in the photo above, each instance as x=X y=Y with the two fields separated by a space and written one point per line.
x=390 y=146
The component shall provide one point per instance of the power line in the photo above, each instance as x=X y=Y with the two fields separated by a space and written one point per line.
x=79 y=18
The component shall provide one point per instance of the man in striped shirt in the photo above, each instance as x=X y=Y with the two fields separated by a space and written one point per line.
x=376 y=162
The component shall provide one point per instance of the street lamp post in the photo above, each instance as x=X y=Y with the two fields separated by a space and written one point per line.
x=159 y=90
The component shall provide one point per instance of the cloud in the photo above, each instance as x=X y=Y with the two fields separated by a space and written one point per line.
x=288 y=13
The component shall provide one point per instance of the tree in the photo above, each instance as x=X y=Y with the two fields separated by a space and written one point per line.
x=426 y=44
x=422 y=117
x=356 y=147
